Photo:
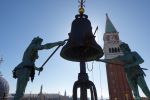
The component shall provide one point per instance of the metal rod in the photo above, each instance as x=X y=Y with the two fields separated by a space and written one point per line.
x=82 y=67
x=50 y=56
x=96 y=30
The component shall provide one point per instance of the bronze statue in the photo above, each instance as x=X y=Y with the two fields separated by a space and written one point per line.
x=26 y=69
x=134 y=73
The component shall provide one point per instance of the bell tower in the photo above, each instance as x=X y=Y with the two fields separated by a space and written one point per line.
x=117 y=82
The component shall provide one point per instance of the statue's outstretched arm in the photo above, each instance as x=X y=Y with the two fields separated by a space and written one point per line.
x=137 y=59
x=46 y=46
x=117 y=60
x=51 y=45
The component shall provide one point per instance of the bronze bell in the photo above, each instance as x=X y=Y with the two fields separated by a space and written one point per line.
x=81 y=45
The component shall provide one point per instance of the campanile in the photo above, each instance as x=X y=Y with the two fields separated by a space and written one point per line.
x=117 y=82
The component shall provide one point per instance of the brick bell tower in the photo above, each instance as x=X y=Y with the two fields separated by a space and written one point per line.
x=117 y=82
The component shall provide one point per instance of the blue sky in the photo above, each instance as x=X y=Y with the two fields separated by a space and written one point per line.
x=21 y=20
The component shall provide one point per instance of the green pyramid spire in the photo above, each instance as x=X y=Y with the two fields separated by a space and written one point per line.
x=109 y=26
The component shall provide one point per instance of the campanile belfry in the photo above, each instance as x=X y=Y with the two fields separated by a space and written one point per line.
x=117 y=82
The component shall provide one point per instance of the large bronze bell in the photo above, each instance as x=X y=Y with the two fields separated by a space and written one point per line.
x=81 y=45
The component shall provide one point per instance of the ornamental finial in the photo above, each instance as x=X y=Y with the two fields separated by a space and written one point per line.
x=81 y=9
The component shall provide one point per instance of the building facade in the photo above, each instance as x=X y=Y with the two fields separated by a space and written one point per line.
x=44 y=96
x=117 y=82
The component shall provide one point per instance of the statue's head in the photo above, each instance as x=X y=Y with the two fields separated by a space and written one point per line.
x=37 y=40
x=124 y=47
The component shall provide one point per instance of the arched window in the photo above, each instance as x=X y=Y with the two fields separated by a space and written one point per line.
x=118 y=49
x=109 y=50
x=113 y=50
